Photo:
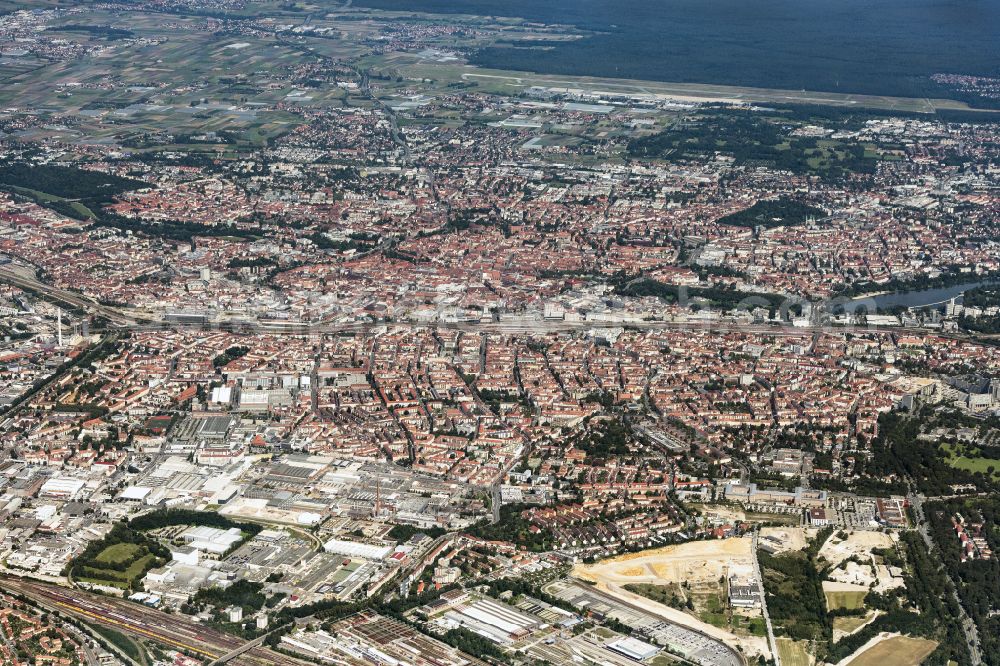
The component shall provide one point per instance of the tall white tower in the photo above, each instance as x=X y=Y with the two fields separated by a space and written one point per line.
x=59 y=326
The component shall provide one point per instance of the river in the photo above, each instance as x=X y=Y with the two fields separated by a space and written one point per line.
x=919 y=298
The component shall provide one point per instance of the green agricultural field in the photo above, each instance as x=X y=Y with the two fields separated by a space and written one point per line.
x=849 y=600
x=794 y=653
x=896 y=651
x=188 y=83
x=850 y=623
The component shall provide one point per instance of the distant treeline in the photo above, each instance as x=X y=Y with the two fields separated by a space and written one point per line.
x=753 y=139
x=982 y=297
x=854 y=118
x=68 y=182
x=723 y=298
x=171 y=517
x=950 y=276
x=91 y=189
x=174 y=229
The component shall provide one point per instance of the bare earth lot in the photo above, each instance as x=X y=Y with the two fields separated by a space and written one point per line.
x=895 y=651
x=699 y=564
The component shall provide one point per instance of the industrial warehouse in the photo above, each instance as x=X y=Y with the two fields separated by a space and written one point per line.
x=498 y=622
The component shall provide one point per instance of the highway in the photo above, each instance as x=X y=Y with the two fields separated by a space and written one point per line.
x=172 y=630
x=968 y=626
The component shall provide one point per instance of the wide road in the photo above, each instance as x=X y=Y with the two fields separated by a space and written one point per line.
x=968 y=626
x=772 y=643
x=172 y=630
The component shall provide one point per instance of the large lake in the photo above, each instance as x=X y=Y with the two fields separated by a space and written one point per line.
x=885 y=47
